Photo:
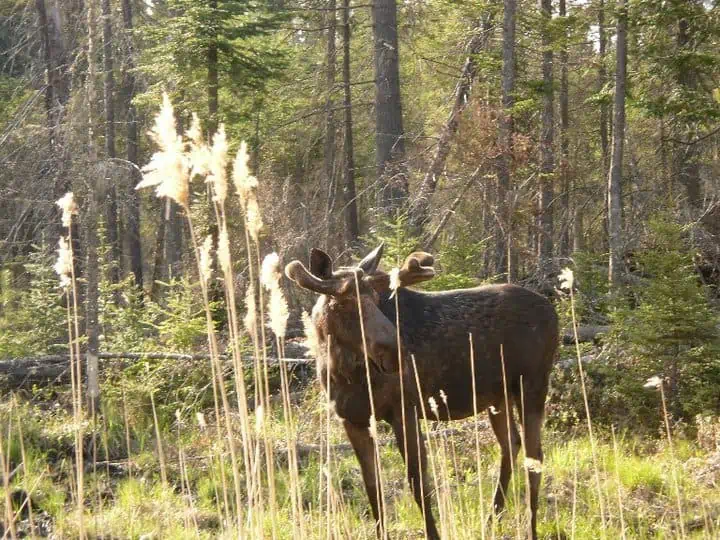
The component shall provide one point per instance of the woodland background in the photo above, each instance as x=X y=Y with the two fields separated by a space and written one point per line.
x=510 y=139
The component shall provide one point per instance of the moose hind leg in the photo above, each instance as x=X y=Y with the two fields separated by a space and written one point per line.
x=364 y=447
x=506 y=432
x=532 y=428
x=409 y=437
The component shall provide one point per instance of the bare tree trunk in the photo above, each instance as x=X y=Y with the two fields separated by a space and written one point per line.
x=352 y=228
x=420 y=210
x=547 y=155
x=92 y=328
x=602 y=81
x=111 y=210
x=615 y=239
x=132 y=227
x=389 y=135
x=687 y=167
x=564 y=140
x=212 y=74
x=330 y=118
x=503 y=246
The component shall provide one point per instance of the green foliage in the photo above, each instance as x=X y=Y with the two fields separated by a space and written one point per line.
x=32 y=318
x=395 y=234
x=672 y=332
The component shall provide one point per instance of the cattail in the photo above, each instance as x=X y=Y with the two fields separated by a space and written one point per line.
x=394 y=280
x=653 y=382
x=311 y=336
x=250 y=320
x=63 y=266
x=533 y=465
x=168 y=168
x=443 y=397
x=223 y=251
x=205 y=259
x=566 y=279
x=254 y=219
x=433 y=405
x=218 y=165
x=373 y=427
x=68 y=207
x=199 y=152
x=244 y=182
x=277 y=306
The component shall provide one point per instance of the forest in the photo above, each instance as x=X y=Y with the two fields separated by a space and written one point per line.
x=226 y=227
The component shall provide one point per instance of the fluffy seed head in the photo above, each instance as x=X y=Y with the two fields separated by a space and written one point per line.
x=244 y=182
x=653 y=382
x=394 y=281
x=311 y=336
x=201 y=420
x=168 y=167
x=199 y=152
x=223 y=252
x=250 y=319
x=567 y=279
x=63 y=265
x=206 y=259
x=68 y=207
x=270 y=271
x=533 y=465
x=254 y=219
x=218 y=165
x=433 y=405
x=373 y=427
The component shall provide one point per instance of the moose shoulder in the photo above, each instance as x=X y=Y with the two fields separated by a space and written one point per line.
x=505 y=335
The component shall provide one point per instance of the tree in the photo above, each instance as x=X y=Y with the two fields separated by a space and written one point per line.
x=330 y=113
x=503 y=246
x=352 y=229
x=131 y=230
x=614 y=191
x=547 y=155
x=111 y=206
x=564 y=137
x=389 y=135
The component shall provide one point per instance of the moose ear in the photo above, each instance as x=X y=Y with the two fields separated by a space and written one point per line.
x=320 y=264
x=371 y=261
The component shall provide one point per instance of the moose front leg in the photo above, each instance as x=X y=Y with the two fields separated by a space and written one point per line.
x=412 y=447
x=364 y=447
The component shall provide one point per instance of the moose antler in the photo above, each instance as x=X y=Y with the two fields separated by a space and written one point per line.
x=297 y=272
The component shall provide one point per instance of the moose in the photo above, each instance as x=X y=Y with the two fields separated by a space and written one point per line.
x=429 y=344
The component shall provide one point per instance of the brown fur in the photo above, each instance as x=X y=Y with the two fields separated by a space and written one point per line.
x=515 y=340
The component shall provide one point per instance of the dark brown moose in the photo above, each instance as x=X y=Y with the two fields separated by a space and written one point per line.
x=514 y=339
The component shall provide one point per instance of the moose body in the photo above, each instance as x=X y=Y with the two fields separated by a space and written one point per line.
x=506 y=335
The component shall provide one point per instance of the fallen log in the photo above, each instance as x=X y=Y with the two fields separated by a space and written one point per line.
x=18 y=372
x=585 y=334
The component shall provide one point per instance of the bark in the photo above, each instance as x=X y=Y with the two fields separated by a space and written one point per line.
x=687 y=165
x=420 y=210
x=352 y=228
x=90 y=223
x=547 y=155
x=212 y=76
x=330 y=117
x=389 y=135
x=564 y=140
x=53 y=51
x=615 y=240
x=602 y=81
x=111 y=211
x=131 y=230
x=503 y=246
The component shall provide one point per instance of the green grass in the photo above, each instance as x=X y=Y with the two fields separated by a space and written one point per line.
x=124 y=506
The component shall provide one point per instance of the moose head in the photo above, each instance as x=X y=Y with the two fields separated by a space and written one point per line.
x=348 y=309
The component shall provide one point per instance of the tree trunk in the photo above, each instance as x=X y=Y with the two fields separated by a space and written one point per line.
x=111 y=211
x=132 y=226
x=389 y=136
x=687 y=166
x=615 y=239
x=547 y=156
x=212 y=74
x=602 y=81
x=564 y=139
x=352 y=228
x=503 y=246
x=330 y=119
x=420 y=210
x=90 y=223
